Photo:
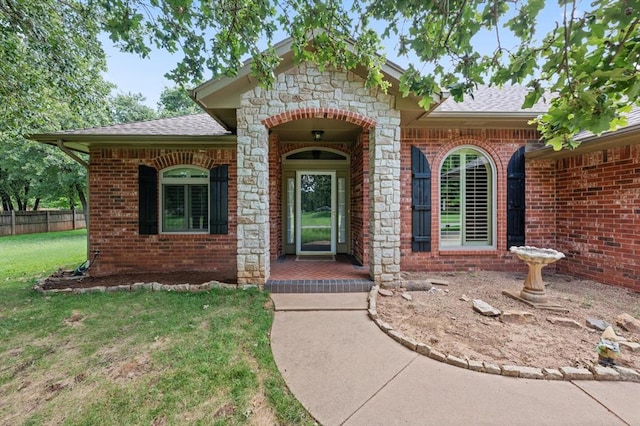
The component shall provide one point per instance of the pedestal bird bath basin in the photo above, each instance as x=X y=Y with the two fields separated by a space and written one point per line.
x=535 y=258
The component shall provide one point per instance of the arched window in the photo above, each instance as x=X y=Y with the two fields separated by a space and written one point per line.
x=467 y=200
x=184 y=199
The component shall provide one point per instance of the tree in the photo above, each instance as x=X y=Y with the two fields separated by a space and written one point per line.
x=51 y=65
x=175 y=101
x=587 y=65
x=129 y=108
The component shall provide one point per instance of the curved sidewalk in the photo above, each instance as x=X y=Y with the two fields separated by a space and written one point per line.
x=344 y=370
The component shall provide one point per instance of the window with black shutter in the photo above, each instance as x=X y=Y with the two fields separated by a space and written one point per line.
x=219 y=190
x=516 y=200
x=147 y=200
x=420 y=202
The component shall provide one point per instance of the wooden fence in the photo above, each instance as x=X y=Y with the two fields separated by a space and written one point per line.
x=15 y=223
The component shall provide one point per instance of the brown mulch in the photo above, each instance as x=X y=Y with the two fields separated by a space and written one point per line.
x=445 y=320
x=65 y=279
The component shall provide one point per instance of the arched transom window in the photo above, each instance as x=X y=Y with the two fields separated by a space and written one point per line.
x=467 y=201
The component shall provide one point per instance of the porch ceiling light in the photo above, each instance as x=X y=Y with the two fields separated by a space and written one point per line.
x=317 y=135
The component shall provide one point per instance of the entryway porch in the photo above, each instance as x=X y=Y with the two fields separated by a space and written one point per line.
x=330 y=274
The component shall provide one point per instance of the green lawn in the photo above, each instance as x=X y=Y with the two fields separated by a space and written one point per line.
x=131 y=358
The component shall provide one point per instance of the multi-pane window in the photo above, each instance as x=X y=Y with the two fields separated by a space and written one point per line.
x=185 y=199
x=466 y=200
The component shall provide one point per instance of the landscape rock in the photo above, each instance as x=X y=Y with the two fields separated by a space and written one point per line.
x=458 y=362
x=385 y=326
x=552 y=374
x=605 y=373
x=628 y=374
x=476 y=365
x=632 y=346
x=417 y=285
x=464 y=298
x=437 y=355
x=439 y=282
x=384 y=292
x=511 y=370
x=407 y=296
x=597 y=324
x=564 y=322
x=573 y=373
x=517 y=317
x=423 y=349
x=156 y=286
x=492 y=368
x=530 y=372
x=628 y=323
x=484 y=308
x=434 y=290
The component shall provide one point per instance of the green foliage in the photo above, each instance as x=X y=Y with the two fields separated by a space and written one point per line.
x=130 y=108
x=175 y=101
x=587 y=65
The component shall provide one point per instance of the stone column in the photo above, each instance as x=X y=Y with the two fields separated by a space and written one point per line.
x=253 y=199
x=384 y=198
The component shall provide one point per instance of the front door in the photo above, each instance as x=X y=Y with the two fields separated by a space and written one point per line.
x=316 y=212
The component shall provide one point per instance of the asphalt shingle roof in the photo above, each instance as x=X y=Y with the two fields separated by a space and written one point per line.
x=187 y=125
x=633 y=120
x=507 y=99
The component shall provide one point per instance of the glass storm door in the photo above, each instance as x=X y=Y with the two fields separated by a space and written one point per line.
x=315 y=213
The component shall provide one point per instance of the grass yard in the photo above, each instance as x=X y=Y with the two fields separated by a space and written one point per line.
x=131 y=358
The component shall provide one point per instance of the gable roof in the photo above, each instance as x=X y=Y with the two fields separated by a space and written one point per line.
x=186 y=130
x=220 y=97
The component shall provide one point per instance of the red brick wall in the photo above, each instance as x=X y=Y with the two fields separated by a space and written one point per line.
x=598 y=215
x=360 y=199
x=275 y=197
x=500 y=145
x=113 y=212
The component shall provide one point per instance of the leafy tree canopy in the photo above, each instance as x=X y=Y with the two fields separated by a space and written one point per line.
x=129 y=108
x=589 y=62
x=175 y=101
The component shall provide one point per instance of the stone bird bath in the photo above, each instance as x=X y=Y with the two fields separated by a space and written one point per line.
x=535 y=258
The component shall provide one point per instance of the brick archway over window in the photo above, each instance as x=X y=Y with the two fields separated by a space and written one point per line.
x=329 y=113
x=183 y=158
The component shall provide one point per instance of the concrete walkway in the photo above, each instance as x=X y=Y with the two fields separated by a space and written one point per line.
x=344 y=370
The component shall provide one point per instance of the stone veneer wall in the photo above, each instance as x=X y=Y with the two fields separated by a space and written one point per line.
x=113 y=208
x=598 y=215
x=306 y=92
x=500 y=145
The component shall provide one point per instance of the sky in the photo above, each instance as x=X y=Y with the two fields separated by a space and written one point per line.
x=130 y=73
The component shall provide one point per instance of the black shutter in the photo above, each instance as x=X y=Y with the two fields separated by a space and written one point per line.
x=147 y=200
x=420 y=201
x=219 y=200
x=516 y=200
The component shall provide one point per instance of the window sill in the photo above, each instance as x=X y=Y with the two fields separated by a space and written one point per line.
x=490 y=251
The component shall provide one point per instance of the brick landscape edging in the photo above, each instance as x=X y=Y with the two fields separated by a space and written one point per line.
x=596 y=372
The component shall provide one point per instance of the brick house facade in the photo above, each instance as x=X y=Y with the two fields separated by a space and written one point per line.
x=441 y=190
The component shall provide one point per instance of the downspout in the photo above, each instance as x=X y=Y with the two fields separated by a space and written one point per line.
x=73 y=156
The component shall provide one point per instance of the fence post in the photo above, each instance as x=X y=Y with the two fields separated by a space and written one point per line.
x=48 y=222
x=73 y=218
x=13 y=222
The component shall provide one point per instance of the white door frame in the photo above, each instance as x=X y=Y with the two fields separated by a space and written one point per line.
x=299 y=174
